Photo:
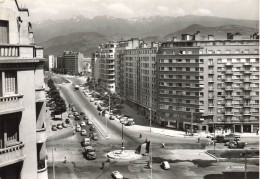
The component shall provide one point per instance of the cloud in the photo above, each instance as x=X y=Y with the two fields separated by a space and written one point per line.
x=120 y=9
x=202 y=12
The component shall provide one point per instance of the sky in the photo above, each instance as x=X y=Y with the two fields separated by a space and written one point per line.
x=64 y=9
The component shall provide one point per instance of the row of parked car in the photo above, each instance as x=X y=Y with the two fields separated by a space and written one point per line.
x=230 y=140
x=58 y=126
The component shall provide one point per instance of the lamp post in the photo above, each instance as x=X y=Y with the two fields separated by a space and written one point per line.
x=122 y=147
x=150 y=119
x=108 y=111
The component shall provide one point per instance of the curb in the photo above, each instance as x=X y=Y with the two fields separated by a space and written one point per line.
x=217 y=159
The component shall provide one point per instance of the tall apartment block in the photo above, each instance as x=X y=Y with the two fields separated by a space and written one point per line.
x=120 y=61
x=139 y=78
x=95 y=65
x=208 y=83
x=73 y=62
x=106 y=61
x=22 y=97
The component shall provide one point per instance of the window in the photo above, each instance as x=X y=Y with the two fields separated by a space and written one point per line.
x=179 y=60
x=4 y=32
x=10 y=82
x=187 y=60
x=170 y=60
x=187 y=68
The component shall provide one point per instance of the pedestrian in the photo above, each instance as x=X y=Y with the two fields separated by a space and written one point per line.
x=198 y=140
x=146 y=140
x=140 y=135
x=65 y=159
x=103 y=165
x=257 y=131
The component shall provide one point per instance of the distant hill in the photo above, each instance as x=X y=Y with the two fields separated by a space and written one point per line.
x=219 y=32
x=118 y=28
x=84 y=42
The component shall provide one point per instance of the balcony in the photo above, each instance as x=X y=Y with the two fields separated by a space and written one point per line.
x=247 y=64
x=211 y=113
x=247 y=80
x=211 y=72
x=229 y=113
x=211 y=96
x=41 y=134
x=229 y=80
x=11 y=104
x=229 y=64
x=248 y=71
x=247 y=97
x=20 y=51
x=229 y=89
x=110 y=79
x=229 y=105
x=12 y=154
x=42 y=169
x=211 y=105
x=247 y=88
x=247 y=114
x=230 y=72
x=228 y=97
x=211 y=88
x=39 y=95
x=111 y=74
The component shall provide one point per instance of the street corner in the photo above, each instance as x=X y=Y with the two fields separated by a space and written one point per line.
x=126 y=155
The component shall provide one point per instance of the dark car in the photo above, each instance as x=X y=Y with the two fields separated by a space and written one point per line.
x=91 y=155
x=92 y=128
x=67 y=121
x=85 y=118
x=77 y=118
x=54 y=128
x=237 y=145
x=93 y=135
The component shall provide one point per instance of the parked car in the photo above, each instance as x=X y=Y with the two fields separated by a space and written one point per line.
x=117 y=175
x=64 y=125
x=92 y=100
x=59 y=126
x=91 y=155
x=112 y=117
x=90 y=122
x=83 y=132
x=89 y=149
x=165 y=165
x=73 y=109
x=83 y=123
x=77 y=125
x=231 y=137
x=70 y=116
x=237 y=145
x=92 y=128
x=85 y=118
x=77 y=118
x=129 y=123
x=78 y=129
x=93 y=135
x=76 y=114
x=86 y=141
x=67 y=121
x=82 y=113
x=54 y=128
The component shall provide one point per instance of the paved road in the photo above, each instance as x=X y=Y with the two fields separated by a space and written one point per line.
x=78 y=167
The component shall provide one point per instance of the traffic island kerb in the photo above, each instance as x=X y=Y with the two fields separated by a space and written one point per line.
x=129 y=155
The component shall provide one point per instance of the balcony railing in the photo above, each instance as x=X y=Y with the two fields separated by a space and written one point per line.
x=39 y=95
x=246 y=88
x=41 y=134
x=42 y=169
x=228 y=72
x=247 y=97
x=10 y=104
x=229 y=113
x=12 y=154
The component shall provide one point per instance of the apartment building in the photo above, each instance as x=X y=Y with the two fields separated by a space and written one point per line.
x=106 y=60
x=119 y=62
x=209 y=84
x=22 y=97
x=95 y=66
x=139 y=73
x=73 y=62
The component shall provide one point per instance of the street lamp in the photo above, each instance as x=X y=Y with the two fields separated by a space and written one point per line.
x=150 y=119
x=122 y=147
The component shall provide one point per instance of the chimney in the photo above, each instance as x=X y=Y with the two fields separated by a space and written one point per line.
x=174 y=39
x=210 y=37
x=197 y=35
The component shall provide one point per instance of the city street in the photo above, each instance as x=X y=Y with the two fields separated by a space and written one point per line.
x=185 y=163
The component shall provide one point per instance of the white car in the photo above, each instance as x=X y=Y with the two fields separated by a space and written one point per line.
x=90 y=122
x=78 y=129
x=70 y=115
x=77 y=125
x=84 y=132
x=117 y=175
x=92 y=100
x=83 y=123
x=165 y=165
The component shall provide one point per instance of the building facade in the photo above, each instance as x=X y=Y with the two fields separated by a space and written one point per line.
x=208 y=83
x=139 y=78
x=52 y=62
x=95 y=66
x=106 y=61
x=73 y=62
x=22 y=97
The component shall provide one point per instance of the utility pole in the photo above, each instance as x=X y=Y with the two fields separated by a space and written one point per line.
x=122 y=138
x=53 y=165
x=246 y=165
x=191 y=122
x=151 y=159
x=108 y=111
x=150 y=119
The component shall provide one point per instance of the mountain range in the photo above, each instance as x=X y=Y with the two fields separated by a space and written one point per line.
x=85 y=34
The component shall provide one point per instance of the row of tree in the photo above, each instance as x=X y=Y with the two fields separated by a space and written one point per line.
x=56 y=99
